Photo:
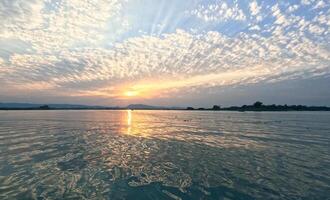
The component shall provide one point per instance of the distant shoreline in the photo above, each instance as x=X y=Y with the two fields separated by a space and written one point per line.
x=155 y=109
x=256 y=107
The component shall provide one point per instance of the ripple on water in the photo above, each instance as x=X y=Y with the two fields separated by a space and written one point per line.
x=164 y=155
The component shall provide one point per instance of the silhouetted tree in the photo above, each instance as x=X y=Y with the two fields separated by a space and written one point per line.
x=216 y=107
x=190 y=108
x=257 y=104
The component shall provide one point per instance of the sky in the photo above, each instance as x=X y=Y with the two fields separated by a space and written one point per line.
x=165 y=52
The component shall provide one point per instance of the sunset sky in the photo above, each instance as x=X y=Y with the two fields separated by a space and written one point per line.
x=165 y=52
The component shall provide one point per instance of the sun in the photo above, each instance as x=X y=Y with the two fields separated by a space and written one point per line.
x=131 y=93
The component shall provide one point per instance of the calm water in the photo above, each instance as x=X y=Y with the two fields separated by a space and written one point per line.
x=164 y=155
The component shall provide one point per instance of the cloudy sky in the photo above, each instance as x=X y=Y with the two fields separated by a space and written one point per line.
x=165 y=52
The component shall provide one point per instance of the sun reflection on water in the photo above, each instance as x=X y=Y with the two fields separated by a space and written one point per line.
x=139 y=125
x=188 y=128
x=129 y=122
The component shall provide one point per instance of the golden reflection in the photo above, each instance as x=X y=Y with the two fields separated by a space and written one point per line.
x=129 y=117
x=137 y=125
x=129 y=122
x=164 y=125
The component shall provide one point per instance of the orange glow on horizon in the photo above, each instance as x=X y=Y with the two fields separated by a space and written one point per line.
x=165 y=87
x=154 y=88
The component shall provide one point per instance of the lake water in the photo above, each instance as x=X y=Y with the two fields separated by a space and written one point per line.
x=164 y=155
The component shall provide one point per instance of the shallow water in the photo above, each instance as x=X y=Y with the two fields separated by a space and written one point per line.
x=164 y=155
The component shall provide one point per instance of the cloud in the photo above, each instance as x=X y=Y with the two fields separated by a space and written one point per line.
x=219 y=12
x=73 y=48
x=320 y=4
x=316 y=29
x=255 y=27
x=281 y=19
x=306 y=2
x=255 y=9
x=23 y=13
x=66 y=24
x=175 y=61
x=292 y=8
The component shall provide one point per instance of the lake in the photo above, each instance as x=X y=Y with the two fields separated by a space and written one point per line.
x=164 y=155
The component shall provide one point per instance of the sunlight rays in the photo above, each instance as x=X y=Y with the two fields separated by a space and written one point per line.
x=135 y=50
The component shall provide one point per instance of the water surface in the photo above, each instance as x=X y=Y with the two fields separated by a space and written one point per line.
x=164 y=155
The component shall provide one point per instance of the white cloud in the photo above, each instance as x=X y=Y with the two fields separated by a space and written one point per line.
x=255 y=27
x=306 y=2
x=23 y=13
x=293 y=8
x=70 y=24
x=316 y=29
x=320 y=4
x=281 y=19
x=255 y=9
x=219 y=12
x=323 y=19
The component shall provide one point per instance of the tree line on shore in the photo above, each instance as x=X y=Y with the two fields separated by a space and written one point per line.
x=259 y=106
